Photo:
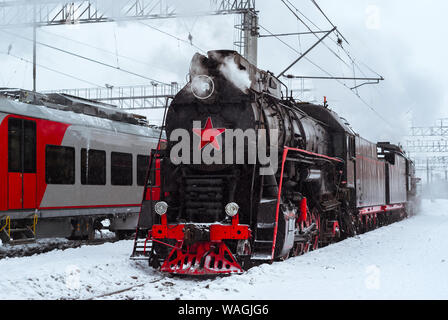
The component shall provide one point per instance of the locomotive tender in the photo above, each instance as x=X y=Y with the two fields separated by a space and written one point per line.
x=219 y=217
x=67 y=164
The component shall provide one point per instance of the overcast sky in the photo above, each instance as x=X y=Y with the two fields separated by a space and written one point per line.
x=402 y=40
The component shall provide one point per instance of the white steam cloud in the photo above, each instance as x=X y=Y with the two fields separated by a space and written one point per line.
x=240 y=78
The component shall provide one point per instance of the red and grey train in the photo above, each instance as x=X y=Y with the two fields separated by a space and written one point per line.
x=67 y=164
x=206 y=218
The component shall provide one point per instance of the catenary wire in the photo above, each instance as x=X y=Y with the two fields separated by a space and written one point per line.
x=102 y=49
x=84 y=57
x=329 y=74
x=50 y=69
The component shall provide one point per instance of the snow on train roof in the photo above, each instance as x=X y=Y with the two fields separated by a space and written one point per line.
x=73 y=110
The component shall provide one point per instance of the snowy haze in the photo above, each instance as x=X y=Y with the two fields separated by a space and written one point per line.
x=401 y=40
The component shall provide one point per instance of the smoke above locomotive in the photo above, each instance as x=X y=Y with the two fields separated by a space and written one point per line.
x=228 y=63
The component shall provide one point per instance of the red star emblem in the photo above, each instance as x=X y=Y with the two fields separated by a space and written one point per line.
x=208 y=134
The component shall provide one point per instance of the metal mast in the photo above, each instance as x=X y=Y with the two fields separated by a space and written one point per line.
x=428 y=146
x=40 y=13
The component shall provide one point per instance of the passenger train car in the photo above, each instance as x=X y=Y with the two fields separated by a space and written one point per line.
x=68 y=163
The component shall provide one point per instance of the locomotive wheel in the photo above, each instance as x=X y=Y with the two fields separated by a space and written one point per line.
x=315 y=218
x=349 y=226
x=313 y=243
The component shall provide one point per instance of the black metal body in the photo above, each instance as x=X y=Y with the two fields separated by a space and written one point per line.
x=329 y=165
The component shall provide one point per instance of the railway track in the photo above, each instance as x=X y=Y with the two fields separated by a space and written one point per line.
x=126 y=289
x=47 y=245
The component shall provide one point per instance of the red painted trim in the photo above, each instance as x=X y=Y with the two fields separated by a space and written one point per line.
x=303 y=210
x=15 y=190
x=285 y=153
x=29 y=190
x=4 y=164
x=201 y=258
x=369 y=210
x=314 y=154
x=383 y=208
x=335 y=228
x=155 y=194
x=48 y=133
x=164 y=220
x=218 y=232
x=162 y=231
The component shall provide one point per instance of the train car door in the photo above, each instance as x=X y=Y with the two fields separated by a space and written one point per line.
x=21 y=164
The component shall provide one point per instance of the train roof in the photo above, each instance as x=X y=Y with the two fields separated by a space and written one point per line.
x=74 y=110
x=392 y=148
x=326 y=116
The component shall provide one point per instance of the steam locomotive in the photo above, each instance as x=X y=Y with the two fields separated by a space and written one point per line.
x=214 y=205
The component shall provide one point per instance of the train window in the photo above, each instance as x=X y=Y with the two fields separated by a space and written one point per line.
x=93 y=167
x=121 y=169
x=29 y=146
x=59 y=165
x=14 y=145
x=351 y=147
x=21 y=146
x=142 y=166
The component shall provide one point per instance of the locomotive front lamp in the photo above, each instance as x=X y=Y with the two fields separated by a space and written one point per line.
x=161 y=207
x=231 y=209
x=202 y=87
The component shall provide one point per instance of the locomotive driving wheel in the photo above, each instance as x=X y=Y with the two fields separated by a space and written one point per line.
x=315 y=218
x=310 y=230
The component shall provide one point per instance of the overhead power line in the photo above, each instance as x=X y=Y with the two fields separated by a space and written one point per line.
x=103 y=50
x=314 y=33
x=121 y=55
x=289 y=34
x=318 y=7
x=330 y=75
x=335 y=41
x=50 y=69
x=172 y=36
x=83 y=57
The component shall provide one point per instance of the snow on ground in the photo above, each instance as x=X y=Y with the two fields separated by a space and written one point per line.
x=406 y=260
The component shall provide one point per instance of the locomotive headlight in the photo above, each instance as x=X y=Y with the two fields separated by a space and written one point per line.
x=161 y=207
x=231 y=209
x=202 y=87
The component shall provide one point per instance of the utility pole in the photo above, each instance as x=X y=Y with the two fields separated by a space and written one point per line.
x=250 y=20
x=34 y=48
x=431 y=142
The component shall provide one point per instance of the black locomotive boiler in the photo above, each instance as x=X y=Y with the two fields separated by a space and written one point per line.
x=221 y=209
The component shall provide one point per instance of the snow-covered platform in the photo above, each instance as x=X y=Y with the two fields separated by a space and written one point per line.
x=406 y=260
